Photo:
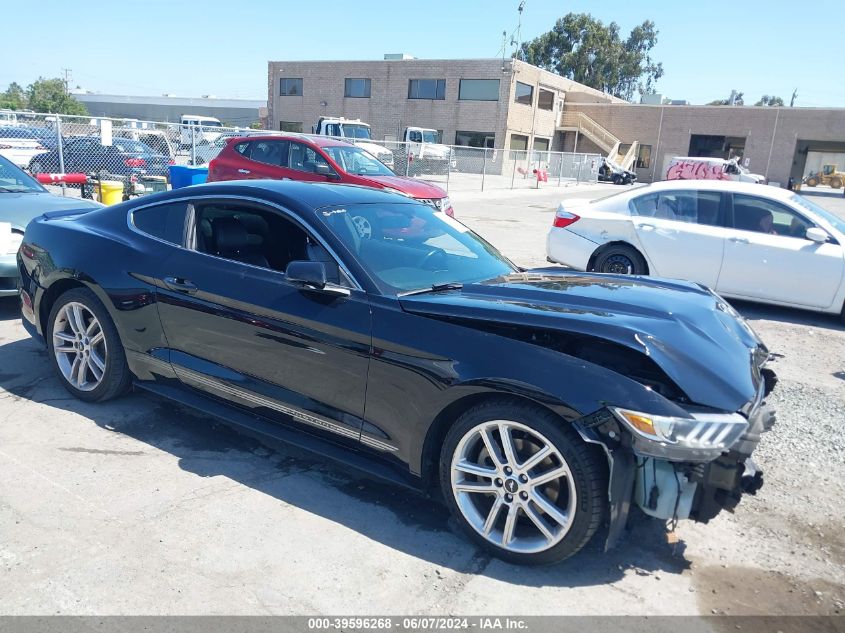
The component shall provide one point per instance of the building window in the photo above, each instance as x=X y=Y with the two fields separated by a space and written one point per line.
x=427 y=89
x=478 y=90
x=541 y=144
x=290 y=126
x=475 y=139
x=357 y=88
x=290 y=87
x=546 y=100
x=644 y=157
x=524 y=93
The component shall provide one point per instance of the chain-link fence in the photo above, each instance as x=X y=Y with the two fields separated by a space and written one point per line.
x=139 y=154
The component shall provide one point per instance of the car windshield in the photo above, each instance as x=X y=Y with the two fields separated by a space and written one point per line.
x=356 y=131
x=354 y=160
x=14 y=180
x=411 y=246
x=129 y=146
x=430 y=136
x=837 y=222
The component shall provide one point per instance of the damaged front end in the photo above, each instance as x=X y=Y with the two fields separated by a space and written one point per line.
x=682 y=467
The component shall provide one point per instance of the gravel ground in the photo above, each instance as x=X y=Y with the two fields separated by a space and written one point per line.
x=137 y=507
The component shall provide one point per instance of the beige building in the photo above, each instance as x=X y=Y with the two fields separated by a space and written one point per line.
x=477 y=102
x=511 y=104
x=779 y=143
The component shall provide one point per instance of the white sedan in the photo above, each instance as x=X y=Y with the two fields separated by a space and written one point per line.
x=745 y=241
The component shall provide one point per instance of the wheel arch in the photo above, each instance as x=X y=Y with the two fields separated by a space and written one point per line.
x=56 y=289
x=604 y=247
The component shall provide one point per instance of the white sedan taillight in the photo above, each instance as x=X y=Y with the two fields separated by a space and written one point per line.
x=564 y=219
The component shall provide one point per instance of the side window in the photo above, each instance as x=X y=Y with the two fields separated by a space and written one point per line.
x=416 y=137
x=304 y=158
x=767 y=216
x=164 y=221
x=269 y=152
x=242 y=148
x=257 y=236
x=691 y=206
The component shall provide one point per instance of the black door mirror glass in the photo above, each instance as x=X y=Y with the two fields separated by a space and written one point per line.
x=310 y=274
x=323 y=169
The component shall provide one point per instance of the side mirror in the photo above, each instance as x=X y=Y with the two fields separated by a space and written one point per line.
x=312 y=276
x=305 y=273
x=324 y=170
x=817 y=235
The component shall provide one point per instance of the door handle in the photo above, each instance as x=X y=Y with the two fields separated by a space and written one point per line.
x=243 y=171
x=739 y=240
x=647 y=227
x=180 y=285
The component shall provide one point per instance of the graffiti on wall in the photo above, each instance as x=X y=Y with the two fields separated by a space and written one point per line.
x=696 y=170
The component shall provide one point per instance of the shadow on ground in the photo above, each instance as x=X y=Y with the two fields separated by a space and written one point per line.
x=422 y=527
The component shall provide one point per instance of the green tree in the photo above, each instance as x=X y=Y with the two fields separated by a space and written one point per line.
x=590 y=52
x=14 y=98
x=49 y=95
x=772 y=101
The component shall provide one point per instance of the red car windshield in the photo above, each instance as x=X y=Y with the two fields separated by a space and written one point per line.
x=354 y=160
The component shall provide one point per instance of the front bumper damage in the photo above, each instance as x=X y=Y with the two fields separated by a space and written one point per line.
x=673 y=490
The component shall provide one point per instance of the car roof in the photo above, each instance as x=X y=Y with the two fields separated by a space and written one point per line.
x=318 y=141
x=716 y=185
x=292 y=193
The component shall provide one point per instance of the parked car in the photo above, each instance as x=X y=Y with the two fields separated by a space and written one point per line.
x=21 y=199
x=703 y=168
x=124 y=158
x=157 y=140
x=746 y=241
x=19 y=146
x=543 y=403
x=317 y=159
x=611 y=172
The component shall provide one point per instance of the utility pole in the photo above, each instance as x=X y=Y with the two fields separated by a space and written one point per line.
x=794 y=96
x=518 y=39
x=67 y=72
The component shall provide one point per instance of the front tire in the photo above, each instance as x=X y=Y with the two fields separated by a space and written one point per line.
x=620 y=259
x=521 y=483
x=85 y=348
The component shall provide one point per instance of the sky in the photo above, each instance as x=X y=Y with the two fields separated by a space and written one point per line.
x=194 y=48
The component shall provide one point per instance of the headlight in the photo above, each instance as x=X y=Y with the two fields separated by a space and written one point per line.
x=15 y=241
x=445 y=203
x=704 y=436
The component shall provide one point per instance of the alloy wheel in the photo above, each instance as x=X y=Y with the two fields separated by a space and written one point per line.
x=513 y=486
x=79 y=345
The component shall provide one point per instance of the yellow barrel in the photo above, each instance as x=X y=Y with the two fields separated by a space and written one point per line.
x=111 y=191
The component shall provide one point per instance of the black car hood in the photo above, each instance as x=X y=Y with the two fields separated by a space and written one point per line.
x=693 y=335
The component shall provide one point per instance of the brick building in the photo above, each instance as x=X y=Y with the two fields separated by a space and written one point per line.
x=514 y=105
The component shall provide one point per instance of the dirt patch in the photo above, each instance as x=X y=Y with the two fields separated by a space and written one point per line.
x=749 y=591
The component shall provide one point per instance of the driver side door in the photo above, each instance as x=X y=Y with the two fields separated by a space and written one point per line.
x=237 y=329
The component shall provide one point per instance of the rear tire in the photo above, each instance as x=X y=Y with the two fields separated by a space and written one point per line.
x=620 y=259
x=85 y=348
x=836 y=183
x=515 y=503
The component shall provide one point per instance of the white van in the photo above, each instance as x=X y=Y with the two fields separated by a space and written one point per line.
x=702 y=168
x=199 y=129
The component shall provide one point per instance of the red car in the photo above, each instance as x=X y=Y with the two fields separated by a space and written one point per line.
x=316 y=159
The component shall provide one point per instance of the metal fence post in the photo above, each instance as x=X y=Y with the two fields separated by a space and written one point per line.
x=407 y=159
x=448 y=170
x=61 y=151
x=193 y=146
x=483 y=169
x=513 y=173
x=580 y=166
x=560 y=169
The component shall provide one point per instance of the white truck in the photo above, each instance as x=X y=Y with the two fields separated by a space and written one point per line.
x=426 y=153
x=354 y=131
x=198 y=129
x=704 y=168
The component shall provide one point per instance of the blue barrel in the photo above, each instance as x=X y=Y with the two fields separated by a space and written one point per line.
x=185 y=176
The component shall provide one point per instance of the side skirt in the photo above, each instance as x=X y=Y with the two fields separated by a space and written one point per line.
x=258 y=426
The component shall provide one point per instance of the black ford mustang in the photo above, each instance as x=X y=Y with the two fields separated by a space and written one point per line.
x=372 y=328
